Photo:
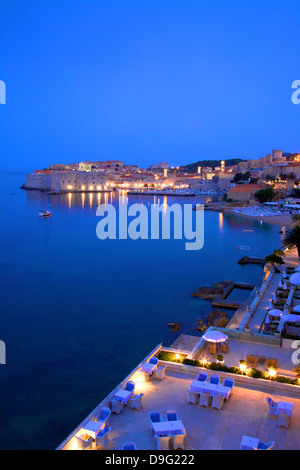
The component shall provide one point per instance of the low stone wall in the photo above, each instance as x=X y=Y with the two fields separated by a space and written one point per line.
x=237 y=335
x=269 y=386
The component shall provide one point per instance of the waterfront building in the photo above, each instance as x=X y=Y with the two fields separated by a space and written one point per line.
x=161 y=166
x=84 y=166
x=47 y=180
x=244 y=192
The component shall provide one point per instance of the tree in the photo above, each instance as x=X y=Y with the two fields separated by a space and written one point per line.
x=278 y=252
x=274 y=259
x=292 y=239
x=270 y=178
x=238 y=177
x=265 y=195
x=246 y=176
x=296 y=219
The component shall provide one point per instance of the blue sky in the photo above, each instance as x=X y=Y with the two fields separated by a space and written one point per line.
x=147 y=81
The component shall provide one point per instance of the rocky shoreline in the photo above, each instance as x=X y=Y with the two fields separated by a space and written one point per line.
x=216 y=318
x=209 y=293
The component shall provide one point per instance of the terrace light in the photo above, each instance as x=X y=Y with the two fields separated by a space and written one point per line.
x=243 y=366
x=272 y=372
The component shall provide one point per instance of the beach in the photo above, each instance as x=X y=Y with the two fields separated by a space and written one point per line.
x=282 y=220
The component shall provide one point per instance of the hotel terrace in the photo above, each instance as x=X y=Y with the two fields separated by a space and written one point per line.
x=233 y=388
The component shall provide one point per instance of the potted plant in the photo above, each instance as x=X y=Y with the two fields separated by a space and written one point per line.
x=220 y=359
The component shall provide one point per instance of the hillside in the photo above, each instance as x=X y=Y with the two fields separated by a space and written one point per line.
x=192 y=167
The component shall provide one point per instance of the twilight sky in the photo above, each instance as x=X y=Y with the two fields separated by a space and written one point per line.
x=146 y=81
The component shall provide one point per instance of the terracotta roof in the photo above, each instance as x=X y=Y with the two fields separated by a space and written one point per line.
x=246 y=188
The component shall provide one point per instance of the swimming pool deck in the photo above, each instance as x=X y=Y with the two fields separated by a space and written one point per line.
x=245 y=413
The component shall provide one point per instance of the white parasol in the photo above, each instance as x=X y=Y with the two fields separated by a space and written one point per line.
x=215 y=336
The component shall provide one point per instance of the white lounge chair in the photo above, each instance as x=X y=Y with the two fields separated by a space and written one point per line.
x=145 y=375
x=129 y=446
x=130 y=385
x=266 y=445
x=103 y=414
x=177 y=439
x=284 y=420
x=84 y=442
x=192 y=397
x=214 y=379
x=272 y=407
x=155 y=417
x=228 y=383
x=163 y=441
x=160 y=373
x=153 y=360
x=172 y=415
x=217 y=402
x=117 y=405
x=102 y=438
x=202 y=377
x=136 y=401
x=204 y=399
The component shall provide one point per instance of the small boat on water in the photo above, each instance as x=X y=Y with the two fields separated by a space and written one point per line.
x=44 y=214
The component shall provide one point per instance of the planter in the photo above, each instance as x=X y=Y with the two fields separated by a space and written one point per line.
x=268 y=385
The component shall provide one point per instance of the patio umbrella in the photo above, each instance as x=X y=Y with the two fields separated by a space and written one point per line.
x=275 y=312
x=295 y=279
x=290 y=317
x=215 y=336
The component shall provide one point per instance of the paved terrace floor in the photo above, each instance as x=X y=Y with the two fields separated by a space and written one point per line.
x=261 y=310
x=240 y=349
x=207 y=429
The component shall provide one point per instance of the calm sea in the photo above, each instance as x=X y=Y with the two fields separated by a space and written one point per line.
x=77 y=313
